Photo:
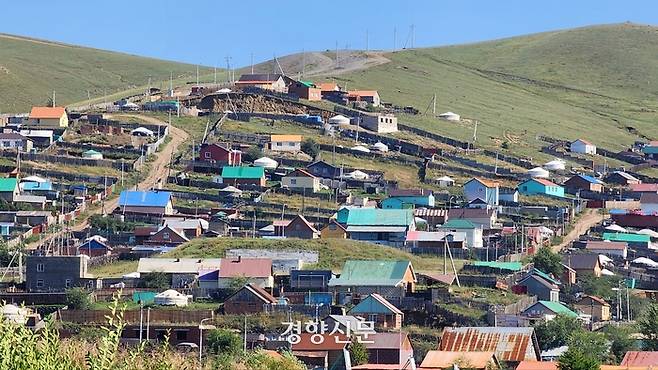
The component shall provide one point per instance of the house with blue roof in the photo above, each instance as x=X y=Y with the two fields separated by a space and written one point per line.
x=39 y=188
x=150 y=202
x=541 y=187
x=95 y=247
x=388 y=226
x=584 y=182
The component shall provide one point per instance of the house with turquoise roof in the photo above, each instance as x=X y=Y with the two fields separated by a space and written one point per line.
x=388 y=226
x=547 y=310
x=408 y=198
x=472 y=231
x=242 y=175
x=360 y=278
x=633 y=240
x=541 y=187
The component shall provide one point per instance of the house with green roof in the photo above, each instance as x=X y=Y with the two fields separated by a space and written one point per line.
x=547 y=310
x=473 y=232
x=242 y=175
x=9 y=189
x=636 y=240
x=387 y=226
x=359 y=278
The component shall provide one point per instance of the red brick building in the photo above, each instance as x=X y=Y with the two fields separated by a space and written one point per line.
x=219 y=154
x=305 y=90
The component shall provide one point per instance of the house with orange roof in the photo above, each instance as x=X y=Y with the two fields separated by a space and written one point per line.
x=369 y=96
x=475 y=360
x=48 y=117
x=583 y=147
x=285 y=143
x=537 y=365
x=538 y=186
x=485 y=190
x=594 y=306
x=301 y=179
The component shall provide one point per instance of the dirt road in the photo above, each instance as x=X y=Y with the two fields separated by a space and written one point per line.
x=589 y=218
x=157 y=174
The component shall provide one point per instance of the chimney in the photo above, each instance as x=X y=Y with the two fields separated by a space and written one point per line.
x=239 y=259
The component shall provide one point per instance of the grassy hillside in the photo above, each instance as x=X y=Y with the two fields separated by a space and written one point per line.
x=31 y=69
x=597 y=83
x=333 y=253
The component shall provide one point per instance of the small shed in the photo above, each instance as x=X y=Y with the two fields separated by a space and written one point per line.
x=450 y=116
x=445 y=181
x=339 y=120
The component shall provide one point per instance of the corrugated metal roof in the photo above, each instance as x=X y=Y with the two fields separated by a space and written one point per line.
x=242 y=172
x=177 y=265
x=375 y=217
x=375 y=303
x=430 y=212
x=555 y=307
x=435 y=236
x=247 y=267
x=512 y=266
x=446 y=359
x=376 y=229
x=330 y=342
x=625 y=237
x=47 y=112
x=640 y=358
x=144 y=198
x=372 y=273
x=537 y=365
x=8 y=184
x=458 y=224
x=509 y=344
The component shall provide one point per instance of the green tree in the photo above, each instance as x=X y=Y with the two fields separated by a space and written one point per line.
x=224 y=342
x=548 y=261
x=155 y=280
x=251 y=154
x=599 y=286
x=556 y=332
x=592 y=343
x=575 y=359
x=310 y=147
x=648 y=326
x=358 y=353
x=78 y=299
x=620 y=341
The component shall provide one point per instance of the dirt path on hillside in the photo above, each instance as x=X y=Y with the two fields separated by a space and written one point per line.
x=322 y=64
x=588 y=219
x=157 y=175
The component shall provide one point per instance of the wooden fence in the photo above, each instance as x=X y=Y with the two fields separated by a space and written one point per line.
x=132 y=316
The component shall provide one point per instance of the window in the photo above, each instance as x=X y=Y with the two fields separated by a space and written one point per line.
x=181 y=335
x=279 y=144
x=40 y=283
x=40 y=267
x=68 y=283
x=291 y=143
x=207 y=155
x=293 y=181
x=165 y=235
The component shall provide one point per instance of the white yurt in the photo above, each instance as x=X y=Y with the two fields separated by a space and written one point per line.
x=171 y=298
x=450 y=116
x=34 y=179
x=361 y=148
x=230 y=190
x=615 y=228
x=538 y=172
x=357 y=175
x=266 y=162
x=380 y=147
x=649 y=232
x=14 y=313
x=645 y=261
x=445 y=181
x=555 y=165
x=224 y=91
x=142 y=131
x=339 y=120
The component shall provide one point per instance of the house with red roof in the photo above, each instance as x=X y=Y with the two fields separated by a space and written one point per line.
x=369 y=96
x=640 y=359
x=301 y=179
x=538 y=186
x=583 y=147
x=220 y=154
x=510 y=344
x=594 y=306
x=256 y=271
x=48 y=117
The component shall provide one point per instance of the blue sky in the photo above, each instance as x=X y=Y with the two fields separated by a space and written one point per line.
x=205 y=32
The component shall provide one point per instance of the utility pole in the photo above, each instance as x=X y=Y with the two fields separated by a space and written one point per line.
x=54 y=104
x=228 y=69
x=215 y=73
x=197 y=75
x=303 y=61
x=413 y=36
x=434 y=105
x=367 y=40
x=337 y=62
x=252 y=63
x=395 y=37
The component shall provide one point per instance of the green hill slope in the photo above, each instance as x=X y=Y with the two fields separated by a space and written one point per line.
x=31 y=69
x=593 y=83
